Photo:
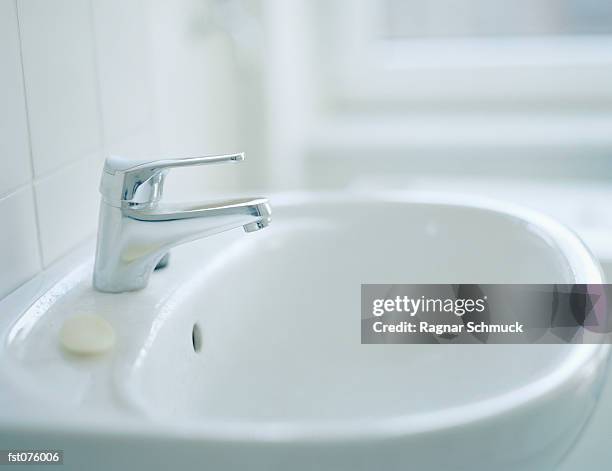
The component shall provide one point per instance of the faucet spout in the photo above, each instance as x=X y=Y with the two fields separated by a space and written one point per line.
x=133 y=236
x=136 y=239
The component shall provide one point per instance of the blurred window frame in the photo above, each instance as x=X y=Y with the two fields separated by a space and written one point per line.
x=363 y=68
x=358 y=111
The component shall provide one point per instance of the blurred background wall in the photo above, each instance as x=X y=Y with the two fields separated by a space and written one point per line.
x=510 y=100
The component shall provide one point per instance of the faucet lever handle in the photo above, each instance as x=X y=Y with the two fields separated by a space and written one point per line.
x=115 y=163
x=140 y=182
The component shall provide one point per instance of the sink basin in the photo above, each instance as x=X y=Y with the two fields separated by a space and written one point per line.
x=245 y=353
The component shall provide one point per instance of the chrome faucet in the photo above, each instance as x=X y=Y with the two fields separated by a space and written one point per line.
x=136 y=231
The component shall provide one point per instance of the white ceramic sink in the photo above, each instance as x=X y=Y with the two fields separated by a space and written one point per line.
x=281 y=380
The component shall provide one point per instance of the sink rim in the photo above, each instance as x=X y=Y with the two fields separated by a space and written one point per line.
x=585 y=269
x=584 y=263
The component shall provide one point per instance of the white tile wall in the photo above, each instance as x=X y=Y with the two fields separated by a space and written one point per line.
x=60 y=80
x=14 y=147
x=74 y=86
x=67 y=204
x=121 y=39
x=18 y=240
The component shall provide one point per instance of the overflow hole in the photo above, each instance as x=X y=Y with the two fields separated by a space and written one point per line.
x=196 y=338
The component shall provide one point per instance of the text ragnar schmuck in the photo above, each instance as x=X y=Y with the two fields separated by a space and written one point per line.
x=408 y=306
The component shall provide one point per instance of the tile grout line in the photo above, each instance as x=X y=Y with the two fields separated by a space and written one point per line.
x=151 y=83
x=14 y=191
x=96 y=64
x=31 y=159
x=66 y=166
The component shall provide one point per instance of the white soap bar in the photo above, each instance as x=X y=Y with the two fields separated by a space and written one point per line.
x=87 y=334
